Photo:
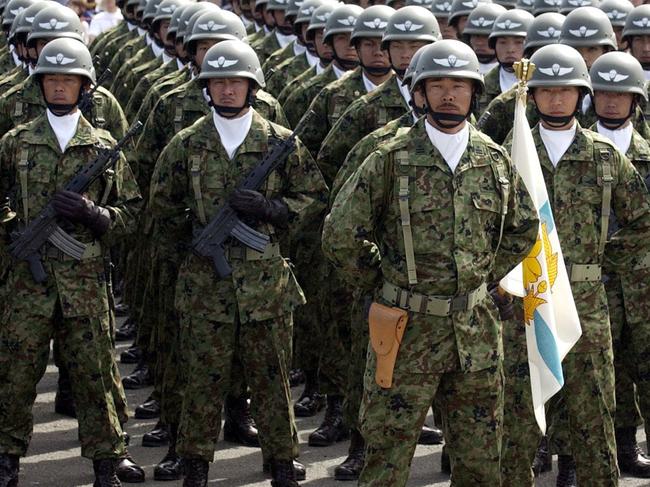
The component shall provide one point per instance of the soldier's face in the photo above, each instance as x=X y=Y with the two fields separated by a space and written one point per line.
x=181 y=53
x=622 y=45
x=201 y=48
x=229 y=92
x=62 y=89
x=480 y=46
x=448 y=95
x=40 y=44
x=509 y=50
x=324 y=51
x=341 y=44
x=557 y=101
x=280 y=19
x=460 y=25
x=447 y=31
x=401 y=52
x=370 y=53
x=590 y=53
x=640 y=48
x=163 y=27
x=268 y=17
x=609 y=104
x=303 y=31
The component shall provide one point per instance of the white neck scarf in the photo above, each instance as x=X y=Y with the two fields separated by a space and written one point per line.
x=148 y=39
x=266 y=30
x=130 y=26
x=232 y=131
x=179 y=64
x=141 y=32
x=557 y=141
x=311 y=59
x=621 y=137
x=166 y=58
x=298 y=48
x=369 y=85
x=245 y=21
x=16 y=59
x=284 y=40
x=484 y=68
x=506 y=80
x=64 y=127
x=404 y=90
x=451 y=146
x=157 y=50
x=586 y=103
x=337 y=71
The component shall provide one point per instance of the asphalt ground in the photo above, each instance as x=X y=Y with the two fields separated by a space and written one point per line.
x=54 y=456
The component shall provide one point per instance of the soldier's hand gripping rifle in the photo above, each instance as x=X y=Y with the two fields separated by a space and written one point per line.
x=26 y=244
x=225 y=223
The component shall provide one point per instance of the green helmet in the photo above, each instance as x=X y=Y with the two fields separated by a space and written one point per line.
x=462 y=8
x=544 y=6
x=342 y=21
x=421 y=3
x=509 y=4
x=232 y=59
x=441 y=8
x=55 y=21
x=65 y=56
x=559 y=65
x=512 y=23
x=185 y=16
x=14 y=7
x=637 y=22
x=411 y=24
x=482 y=18
x=165 y=11
x=277 y=5
x=319 y=19
x=372 y=22
x=306 y=10
x=293 y=7
x=140 y=7
x=218 y=25
x=173 y=22
x=260 y=3
x=617 y=11
x=407 y=79
x=191 y=21
x=570 y=5
x=588 y=26
x=619 y=72
x=150 y=10
x=526 y=5
x=544 y=30
x=448 y=59
x=22 y=24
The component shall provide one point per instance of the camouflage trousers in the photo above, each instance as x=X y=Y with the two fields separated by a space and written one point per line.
x=86 y=352
x=472 y=411
x=359 y=339
x=208 y=350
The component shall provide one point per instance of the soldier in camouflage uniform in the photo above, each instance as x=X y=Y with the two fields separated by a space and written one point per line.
x=617 y=12
x=116 y=38
x=268 y=25
x=72 y=306
x=451 y=346
x=476 y=34
x=20 y=29
x=585 y=176
x=282 y=38
x=338 y=28
x=124 y=52
x=221 y=316
x=619 y=86
x=636 y=34
x=9 y=59
x=441 y=10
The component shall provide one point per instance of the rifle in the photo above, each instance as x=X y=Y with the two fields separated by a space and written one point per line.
x=86 y=101
x=225 y=223
x=26 y=245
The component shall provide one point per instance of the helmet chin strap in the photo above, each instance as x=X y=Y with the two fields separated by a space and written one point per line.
x=507 y=67
x=486 y=58
x=373 y=70
x=616 y=123
x=645 y=66
x=346 y=64
x=232 y=112
x=446 y=120
x=286 y=30
x=400 y=72
x=61 y=109
x=559 y=121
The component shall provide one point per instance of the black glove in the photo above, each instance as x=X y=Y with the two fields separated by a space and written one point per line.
x=504 y=302
x=255 y=204
x=79 y=209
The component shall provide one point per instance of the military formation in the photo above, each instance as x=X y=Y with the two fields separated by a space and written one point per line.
x=283 y=192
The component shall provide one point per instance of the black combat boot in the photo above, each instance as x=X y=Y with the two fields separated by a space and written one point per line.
x=430 y=436
x=351 y=467
x=171 y=466
x=543 y=461
x=105 y=475
x=140 y=378
x=332 y=429
x=127 y=331
x=128 y=471
x=566 y=475
x=131 y=355
x=239 y=426
x=63 y=400
x=282 y=474
x=158 y=436
x=299 y=469
x=310 y=401
x=9 y=467
x=296 y=377
x=630 y=458
x=149 y=409
x=196 y=472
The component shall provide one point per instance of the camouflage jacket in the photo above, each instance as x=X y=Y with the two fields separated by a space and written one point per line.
x=297 y=82
x=112 y=47
x=24 y=102
x=80 y=286
x=284 y=73
x=368 y=113
x=256 y=290
x=256 y=37
x=107 y=36
x=135 y=76
x=267 y=46
x=297 y=102
x=491 y=91
x=126 y=52
x=120 y=87
x=455 y=220
x=178 y=109
x=6 y=61
x=139 y=93
x=158 y=89
x=277 y=57
x=575 y=191
x=329 y=104
x=13 y=78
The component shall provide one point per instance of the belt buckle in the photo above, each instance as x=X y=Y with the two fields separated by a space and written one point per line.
x=459 y=303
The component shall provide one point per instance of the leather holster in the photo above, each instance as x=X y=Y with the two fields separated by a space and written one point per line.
x=387 y=327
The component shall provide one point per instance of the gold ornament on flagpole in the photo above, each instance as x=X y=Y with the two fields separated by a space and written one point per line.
x=524 y=70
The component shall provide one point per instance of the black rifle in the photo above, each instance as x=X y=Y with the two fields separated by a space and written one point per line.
x=225 y=223
x=86 y=101
x=26 y=245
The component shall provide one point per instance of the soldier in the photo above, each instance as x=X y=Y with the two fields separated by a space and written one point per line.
x=124 y=52
x=585 y=176
x=283 y=36
x=459 y=12
x=236 y=312
x=619 y=86
x=497 y=119
x=451 y=344
x=441 y=9
x=617 y=11
x=545 y=6
x=637 y=35
x=268 y=23
x=9 y=58
x=72 y=305
x=116 y=39
x=567 y=6
x=477 y=31
x=337 y=32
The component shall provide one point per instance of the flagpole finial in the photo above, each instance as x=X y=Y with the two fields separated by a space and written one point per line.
x=524 y=70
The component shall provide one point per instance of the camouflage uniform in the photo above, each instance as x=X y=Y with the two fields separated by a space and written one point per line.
x=107 y=36
x=299 y=81
x=125 y=52
x=220 y=318
x=12 y=78
x=460 y=355
x=267 y=46
x=298 y=101
x=73 y=305
x=112 y=47
x=120 y=86
x=279 y=56
x=143 y=86
x=491 y=91
x=284 y=73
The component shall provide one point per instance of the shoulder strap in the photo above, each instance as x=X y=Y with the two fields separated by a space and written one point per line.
x=23 y=169
x=504 y=185
x=604 y=169
x=403 y=168
x=178 y=117
x=195 y=173
x=99 y=120
x=110 y=179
